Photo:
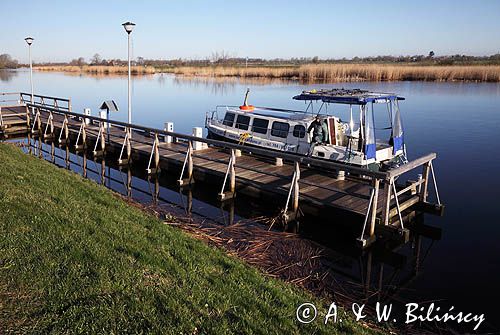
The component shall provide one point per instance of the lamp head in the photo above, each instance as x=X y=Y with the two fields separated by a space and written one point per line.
x=128 y=26
x=29 y=40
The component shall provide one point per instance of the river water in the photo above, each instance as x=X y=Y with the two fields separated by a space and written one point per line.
x=458 y=121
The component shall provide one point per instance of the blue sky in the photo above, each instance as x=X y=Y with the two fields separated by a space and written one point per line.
x=194 y=29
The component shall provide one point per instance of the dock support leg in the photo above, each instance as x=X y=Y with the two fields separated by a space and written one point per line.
x=188 y=167
x=65 y=132
x=387 y=201
x=100 y=138
x=49 y=128
x=155 y=157
x=376 y=184
x=37 y=123
x=363 y=242
x=425 y=176
x=230 y=173
x=28 y=118
x=84 y=165
x=296 y=189
x=83 y=134
x=126 y=146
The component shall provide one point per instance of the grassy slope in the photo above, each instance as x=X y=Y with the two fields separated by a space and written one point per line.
x=74 y=258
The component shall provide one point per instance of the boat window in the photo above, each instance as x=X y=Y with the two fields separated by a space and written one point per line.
x=299 y=131
x=280 y=129
x=260 y=126
x=242 y=122
x=228 y=119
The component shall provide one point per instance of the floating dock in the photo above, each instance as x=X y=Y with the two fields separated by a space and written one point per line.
x=378 y=201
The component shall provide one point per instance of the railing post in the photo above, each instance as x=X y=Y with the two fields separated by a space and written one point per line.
x=425 y=176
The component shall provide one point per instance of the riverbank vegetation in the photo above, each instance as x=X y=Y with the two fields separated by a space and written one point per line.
x=351 y=72
x=98 y=69
x=309 y=73
x=76 y=258
x=380 y=68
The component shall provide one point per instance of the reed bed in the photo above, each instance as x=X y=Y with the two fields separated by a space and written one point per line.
x=352 y=72
x=99 y=69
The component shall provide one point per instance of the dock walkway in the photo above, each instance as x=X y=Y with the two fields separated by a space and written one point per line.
x=309 y=183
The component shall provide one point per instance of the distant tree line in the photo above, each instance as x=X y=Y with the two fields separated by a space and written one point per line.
x=7 y=62
x=224 y=58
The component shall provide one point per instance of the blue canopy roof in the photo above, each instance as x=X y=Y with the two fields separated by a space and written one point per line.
x=345 y=96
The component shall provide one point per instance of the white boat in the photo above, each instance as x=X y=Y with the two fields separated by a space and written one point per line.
x=353 y=140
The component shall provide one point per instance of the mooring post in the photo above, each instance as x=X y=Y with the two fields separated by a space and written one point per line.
x=278 y=162
x=53 y=152
x=103 y=172
x=387 y=201
x=238 y=153
x=169 y=126
x=425 y=176
x=376 y=184
x=129 y=183
x=68 y=162
x=296 y=190
x=84 y=166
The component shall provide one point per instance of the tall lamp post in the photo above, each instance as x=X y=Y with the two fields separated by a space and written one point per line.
x=30 y=40
x=129 y=26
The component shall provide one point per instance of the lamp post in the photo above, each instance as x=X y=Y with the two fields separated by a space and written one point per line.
x=30 y=40
x=129 y=26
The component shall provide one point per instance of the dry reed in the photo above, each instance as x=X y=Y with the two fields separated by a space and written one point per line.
x=98 y=69
x=352 y=72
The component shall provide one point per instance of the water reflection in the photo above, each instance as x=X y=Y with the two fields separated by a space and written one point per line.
x=7 y=75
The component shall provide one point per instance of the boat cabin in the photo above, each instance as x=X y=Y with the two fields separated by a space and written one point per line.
x=322 y=134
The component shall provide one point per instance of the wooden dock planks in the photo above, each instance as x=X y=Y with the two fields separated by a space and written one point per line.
x=317 y=187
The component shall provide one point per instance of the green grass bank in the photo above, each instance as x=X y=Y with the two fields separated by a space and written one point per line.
x=75 y=258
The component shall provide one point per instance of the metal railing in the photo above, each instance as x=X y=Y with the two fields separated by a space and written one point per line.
x=53 y=105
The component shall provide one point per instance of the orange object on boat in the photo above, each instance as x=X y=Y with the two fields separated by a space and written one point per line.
x=247 y=108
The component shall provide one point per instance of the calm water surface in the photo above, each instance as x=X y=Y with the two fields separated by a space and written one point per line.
x=458 y=121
